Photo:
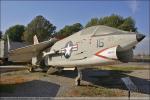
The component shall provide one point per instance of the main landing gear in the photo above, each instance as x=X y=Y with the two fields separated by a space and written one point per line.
x=78 y=78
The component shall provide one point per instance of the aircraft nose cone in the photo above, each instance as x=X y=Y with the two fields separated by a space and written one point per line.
x=140 y=37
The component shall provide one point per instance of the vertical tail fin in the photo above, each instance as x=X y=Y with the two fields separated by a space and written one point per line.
x=8 y=43
x=35 y=40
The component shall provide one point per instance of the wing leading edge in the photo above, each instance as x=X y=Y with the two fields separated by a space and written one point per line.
x=26 y=53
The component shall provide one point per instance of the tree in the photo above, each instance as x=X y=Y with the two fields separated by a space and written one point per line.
x=115 y=21
x=128 y=25
x=0 y=34
x=112 y=21
x=38 y=26
x=92 y=22
x=15 y=33
x=68 y=30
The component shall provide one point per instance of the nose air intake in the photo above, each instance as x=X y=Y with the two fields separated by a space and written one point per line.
x=140 y=37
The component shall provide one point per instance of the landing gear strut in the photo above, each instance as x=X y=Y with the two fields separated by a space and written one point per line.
x=78 y=78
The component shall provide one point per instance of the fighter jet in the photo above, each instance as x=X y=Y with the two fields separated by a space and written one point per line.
x=92 y=46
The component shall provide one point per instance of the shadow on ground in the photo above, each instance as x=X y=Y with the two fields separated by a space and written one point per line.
x=35 y=88
x=109 y=79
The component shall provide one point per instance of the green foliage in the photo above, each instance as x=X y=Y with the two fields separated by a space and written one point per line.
x=116 y=21
x=38 y=26
x=15 y=33
x=128 y=25
x=68 y=30
x=92 y=22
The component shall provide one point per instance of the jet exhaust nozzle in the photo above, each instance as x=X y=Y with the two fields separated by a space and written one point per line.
x=140 y=37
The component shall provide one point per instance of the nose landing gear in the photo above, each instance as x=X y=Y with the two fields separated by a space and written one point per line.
x=78 y=78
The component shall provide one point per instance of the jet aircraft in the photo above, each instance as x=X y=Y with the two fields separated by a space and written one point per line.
x=93 y=46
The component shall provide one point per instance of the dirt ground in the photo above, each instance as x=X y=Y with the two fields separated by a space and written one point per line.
x=95 y=83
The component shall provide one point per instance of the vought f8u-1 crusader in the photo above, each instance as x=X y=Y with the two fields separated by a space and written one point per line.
x=93 y=46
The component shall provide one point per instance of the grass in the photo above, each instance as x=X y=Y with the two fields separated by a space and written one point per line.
x=12 y=73
x=121 y=68
x=92 y=91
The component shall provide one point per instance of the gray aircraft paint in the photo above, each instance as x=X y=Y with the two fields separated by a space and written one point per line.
x=96 y=45
x=89 y=42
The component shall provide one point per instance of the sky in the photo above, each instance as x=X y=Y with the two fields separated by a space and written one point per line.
x=61 y=13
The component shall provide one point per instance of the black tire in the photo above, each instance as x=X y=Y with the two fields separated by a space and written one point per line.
x=77 y=83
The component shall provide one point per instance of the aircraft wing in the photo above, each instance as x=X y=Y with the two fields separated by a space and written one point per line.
x=26 y=53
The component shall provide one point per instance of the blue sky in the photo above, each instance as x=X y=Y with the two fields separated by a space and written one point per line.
x=62 y=13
